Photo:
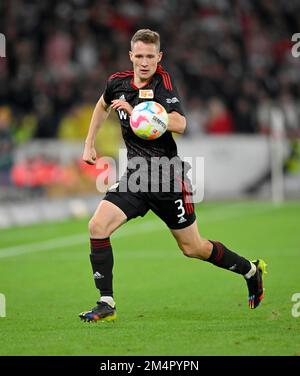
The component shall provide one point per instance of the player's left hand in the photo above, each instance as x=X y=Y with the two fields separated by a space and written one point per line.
x=119 y=104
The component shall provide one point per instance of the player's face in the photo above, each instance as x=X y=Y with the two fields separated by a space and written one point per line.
x=144 y=57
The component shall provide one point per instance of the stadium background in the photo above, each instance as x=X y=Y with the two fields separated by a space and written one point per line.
x=234 y=70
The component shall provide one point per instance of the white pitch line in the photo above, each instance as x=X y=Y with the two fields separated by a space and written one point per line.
x=68 y=241
x=143 y=227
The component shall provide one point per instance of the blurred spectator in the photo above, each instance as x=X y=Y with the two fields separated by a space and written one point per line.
x=196 y=115
x=219 y=118
x=59 y=55
x=6 y=146
x=47 y=120
x=264 y=113
x=244 y=119
x=290 y=113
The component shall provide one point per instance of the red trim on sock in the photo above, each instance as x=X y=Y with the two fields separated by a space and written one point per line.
x=100 y=243
x=220 y=251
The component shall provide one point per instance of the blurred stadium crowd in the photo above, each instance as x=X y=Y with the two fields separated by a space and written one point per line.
x=231 y=58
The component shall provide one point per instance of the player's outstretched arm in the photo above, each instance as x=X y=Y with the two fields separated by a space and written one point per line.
x=100 y=113
x=177 y=122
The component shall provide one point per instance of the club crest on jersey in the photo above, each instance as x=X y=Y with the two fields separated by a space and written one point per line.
x=146 y=94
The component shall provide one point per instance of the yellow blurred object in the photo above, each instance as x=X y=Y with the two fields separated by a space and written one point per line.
x=109 y=137
x=75 y=125
x=26 y=129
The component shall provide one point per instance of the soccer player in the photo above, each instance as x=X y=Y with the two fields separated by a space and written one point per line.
x=124 y=90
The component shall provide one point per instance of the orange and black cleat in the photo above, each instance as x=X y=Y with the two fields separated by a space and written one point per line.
x=255 y=284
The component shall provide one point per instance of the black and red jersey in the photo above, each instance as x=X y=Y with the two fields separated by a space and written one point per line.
x=160 y=89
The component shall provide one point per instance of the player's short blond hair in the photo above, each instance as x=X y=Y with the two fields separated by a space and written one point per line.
x=146 y=36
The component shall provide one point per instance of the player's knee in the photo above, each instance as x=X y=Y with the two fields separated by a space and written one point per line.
x=198 y=250
x=98 y=229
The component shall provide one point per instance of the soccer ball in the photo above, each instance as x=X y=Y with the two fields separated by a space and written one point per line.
x=149 y=120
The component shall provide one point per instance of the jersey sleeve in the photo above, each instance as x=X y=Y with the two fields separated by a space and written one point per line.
x=167 y=95
x=108 y=92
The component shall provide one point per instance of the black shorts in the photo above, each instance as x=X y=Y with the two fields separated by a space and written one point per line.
x=176 y=209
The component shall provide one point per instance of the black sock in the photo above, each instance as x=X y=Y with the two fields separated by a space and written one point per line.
x=226 y=259
x=102 y=261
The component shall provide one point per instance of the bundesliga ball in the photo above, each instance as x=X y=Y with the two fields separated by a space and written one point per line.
x=149 y=120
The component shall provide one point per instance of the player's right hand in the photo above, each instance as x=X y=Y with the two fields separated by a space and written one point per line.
x=120 y=104
x=89 y=155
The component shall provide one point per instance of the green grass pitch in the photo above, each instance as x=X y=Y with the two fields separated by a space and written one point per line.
x=167 y=304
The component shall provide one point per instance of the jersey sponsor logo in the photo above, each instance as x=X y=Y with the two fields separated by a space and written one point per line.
x=172 y=100
x=122 y=114
x=182 y=220
x=146 y=94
